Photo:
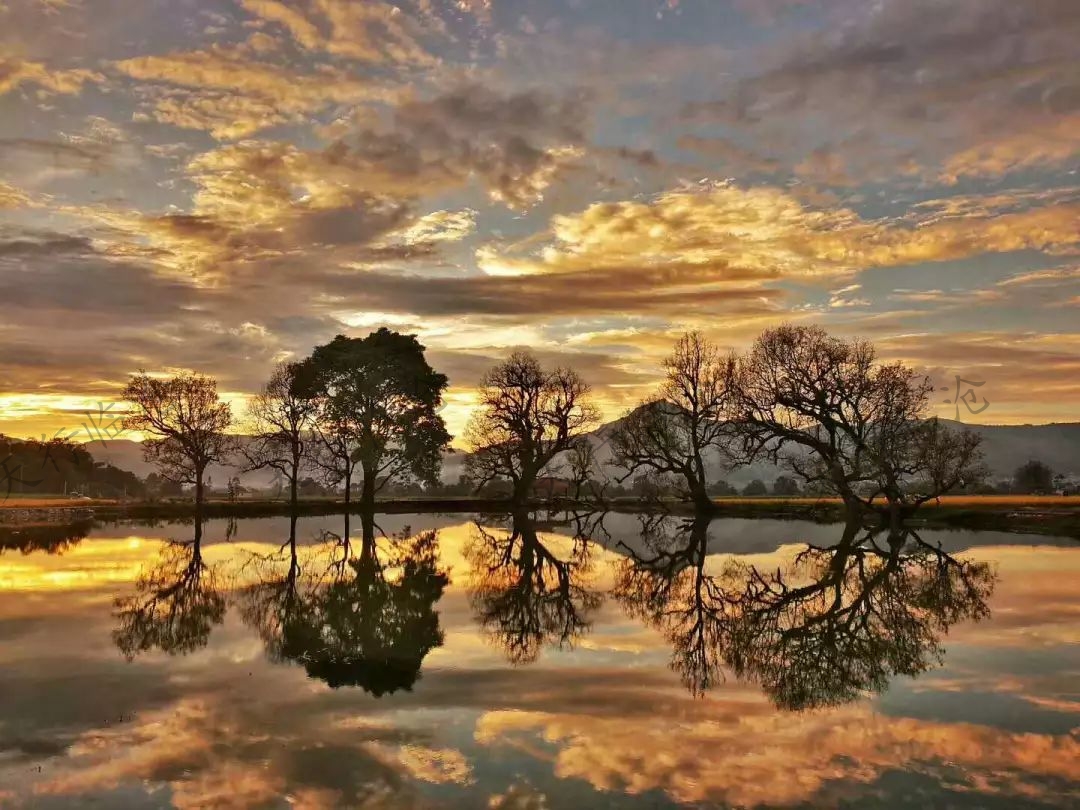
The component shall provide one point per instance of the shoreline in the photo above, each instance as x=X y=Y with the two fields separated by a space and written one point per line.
x=1035 y=515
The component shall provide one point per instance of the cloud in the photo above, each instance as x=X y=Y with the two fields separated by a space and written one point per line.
x=226 y=83
x=736 y=750
x=15 y=72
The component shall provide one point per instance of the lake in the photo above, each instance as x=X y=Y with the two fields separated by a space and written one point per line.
x=547 y=662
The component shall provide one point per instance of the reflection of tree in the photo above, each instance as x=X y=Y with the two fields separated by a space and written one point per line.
x=526 y=596
x=838 y=622
x=176 y=603
x=49 y=538
x=368 y=621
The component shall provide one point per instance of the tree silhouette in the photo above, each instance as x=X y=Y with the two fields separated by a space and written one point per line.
x=184 y=423
x=381 y=403
x=366 y=621
x=838 y=623
x=52 y=539
x=176 y=604
x=671 y=434
x=528 y=417
x=858 y=427
x=281 y=420
x=524 y=595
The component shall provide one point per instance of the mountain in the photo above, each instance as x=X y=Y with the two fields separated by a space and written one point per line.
x=127 y=455
x=1006 y=447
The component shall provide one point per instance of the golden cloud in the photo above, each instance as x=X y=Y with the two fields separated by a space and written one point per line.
x=753 y=235
x=736 y=750
x=15 y=72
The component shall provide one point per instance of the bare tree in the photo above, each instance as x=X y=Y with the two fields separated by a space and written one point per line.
x=281 y=420
x=583 y=469
x=185 y=424
x=841 y=420
x=689 y=416
x=526 y=419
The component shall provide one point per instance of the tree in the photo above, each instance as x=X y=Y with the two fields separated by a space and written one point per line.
x=1033 y=478
x=755 y=487
x=370 y=626
x=839 y=621
x=785 y=485
x=184 y=423
x=381 y=408
x=527 y=418
x=176 y=604
x=281 y=419
x=671 y=433
x=838 y=418
x=525 y=594
x=583 y=465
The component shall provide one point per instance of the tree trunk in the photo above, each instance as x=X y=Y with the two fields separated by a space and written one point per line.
x=199 y=494
x=367 y=498
x=294 y=497
x=703 y=502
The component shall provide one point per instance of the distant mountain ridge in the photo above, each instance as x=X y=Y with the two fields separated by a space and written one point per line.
x=1005 y=447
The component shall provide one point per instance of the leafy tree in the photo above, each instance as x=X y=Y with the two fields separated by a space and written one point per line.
x=838 y=418
x=1033 y=478
x=184 y=423
x=755 y=487
x=281 y=419
x=371 y=625
x=381 y=403
x=671 y=434
x=785 y=485
x=722 y=488
x=527 y=418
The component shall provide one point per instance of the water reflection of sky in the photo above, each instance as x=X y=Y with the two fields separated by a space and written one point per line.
x=604 y=721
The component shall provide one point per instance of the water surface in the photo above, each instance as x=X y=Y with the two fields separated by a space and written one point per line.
x=602 y=661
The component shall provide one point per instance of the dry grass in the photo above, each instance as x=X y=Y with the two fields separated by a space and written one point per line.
x=46 y=502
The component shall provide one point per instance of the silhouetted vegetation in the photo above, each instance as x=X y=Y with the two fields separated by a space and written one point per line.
x=57 y=466
x=670 y=434
x=183 y=423
x=839 y=419
x=526 y=419
x=380 y=404
x=834 y=624
x=1033 y=478
x=526 y=595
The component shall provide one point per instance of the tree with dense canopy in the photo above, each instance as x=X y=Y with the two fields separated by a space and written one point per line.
x=380 y=409
x=527 y=418
x=1033 y=478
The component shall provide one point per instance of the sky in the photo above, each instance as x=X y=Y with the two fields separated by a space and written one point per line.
x=220 y=185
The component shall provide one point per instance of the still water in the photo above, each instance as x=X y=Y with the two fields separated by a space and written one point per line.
x=569 y=661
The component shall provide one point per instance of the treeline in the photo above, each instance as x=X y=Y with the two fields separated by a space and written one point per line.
x=837 y=419
x=60 y=466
